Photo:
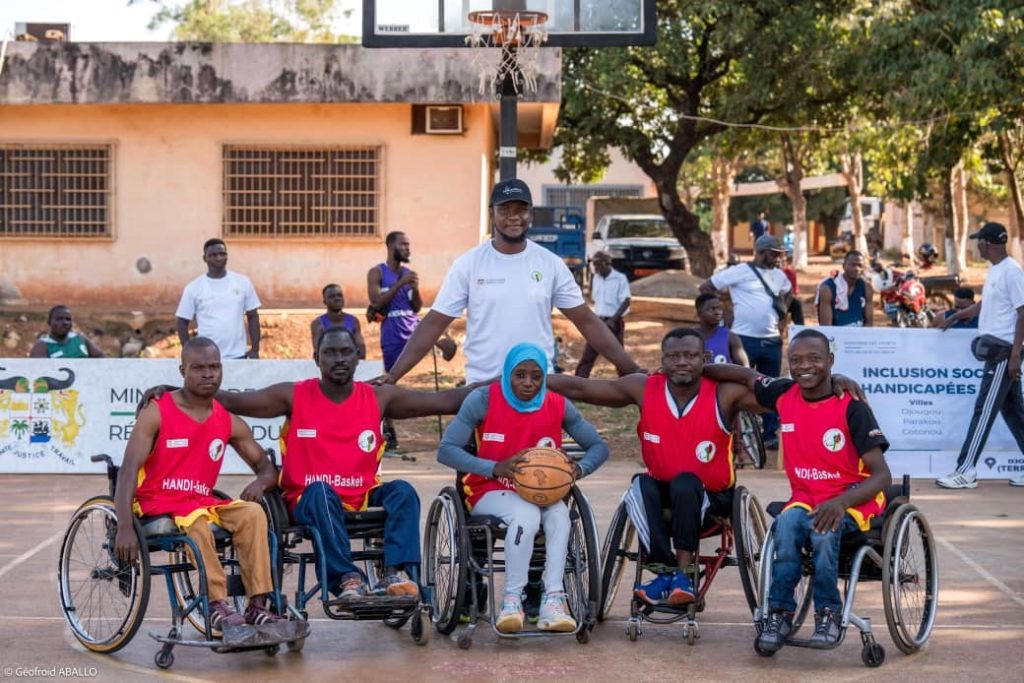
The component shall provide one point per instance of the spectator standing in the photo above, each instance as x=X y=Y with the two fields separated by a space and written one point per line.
x=1001 y=335
x=218 y=300
x=845 y=299
x=610 y=292
x=62 y=341
x=761 y=295
x=962 y=298
x=721 y=343
x=334 y=300
x=759 y=227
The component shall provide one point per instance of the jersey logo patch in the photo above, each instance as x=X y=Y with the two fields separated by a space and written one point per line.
x=536 y=276
x=834 y=440
x=546 y=442
x=788 y=427
x=719 y=359
x=305 y=433
x=216 y=450
x=493 y=436
x=367 y=440
x=705 y=451
x=177 y=443
x=653 y=438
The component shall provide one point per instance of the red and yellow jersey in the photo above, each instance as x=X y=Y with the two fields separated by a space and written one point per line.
x=820 y=457
x=178 y=477
x=505 y=431
x=696 y=442
x=339 y=444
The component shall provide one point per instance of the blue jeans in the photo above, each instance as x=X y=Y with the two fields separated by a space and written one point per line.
x=765 y=354
x=320 y=508
x=793 y=532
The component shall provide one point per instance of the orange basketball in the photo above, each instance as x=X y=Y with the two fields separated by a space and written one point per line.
x=544 y=476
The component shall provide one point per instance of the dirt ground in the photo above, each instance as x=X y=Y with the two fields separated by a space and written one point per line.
x=285 y=334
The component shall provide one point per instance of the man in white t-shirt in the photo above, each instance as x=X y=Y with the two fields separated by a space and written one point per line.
x=755 y=318
x=219 y=300
x=1000 y=337
x=507 y=286
x=610 y=292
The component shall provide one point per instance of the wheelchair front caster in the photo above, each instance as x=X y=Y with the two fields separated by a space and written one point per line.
x=872 y=654
x=271 y=650
x=164 y=659
x=761 y=651
x=633 y=630
x=583 y=635
x=296 y=645
x=690 y=633
x=465 y=641
x=420 y=627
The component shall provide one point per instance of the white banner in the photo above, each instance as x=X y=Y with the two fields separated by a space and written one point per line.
x=56 y=413
x=922 y=385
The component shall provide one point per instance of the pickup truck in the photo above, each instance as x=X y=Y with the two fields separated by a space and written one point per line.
x=560 y=229
x=639 y=244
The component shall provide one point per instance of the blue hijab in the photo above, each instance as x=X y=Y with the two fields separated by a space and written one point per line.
x=516 y=355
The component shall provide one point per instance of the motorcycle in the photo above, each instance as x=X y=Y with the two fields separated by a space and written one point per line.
x=904 y=297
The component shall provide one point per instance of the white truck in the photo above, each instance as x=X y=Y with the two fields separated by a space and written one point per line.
x=639 y=244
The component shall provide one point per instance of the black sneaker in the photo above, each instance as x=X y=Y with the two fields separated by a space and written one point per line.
x=532 y=596
x=776 y=630
x=826 y=628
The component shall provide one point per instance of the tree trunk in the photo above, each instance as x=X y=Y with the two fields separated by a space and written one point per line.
x=685 y=226
x=791 y=184
x=907 y=239
x=853 y=171
x=723 y=171
x=949 y=218
x=1016 y=222
x=963 y=222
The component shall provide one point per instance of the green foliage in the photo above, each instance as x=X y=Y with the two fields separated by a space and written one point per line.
x=251 y=21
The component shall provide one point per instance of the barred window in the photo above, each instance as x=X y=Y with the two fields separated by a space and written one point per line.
x=302 y=191
x=56 y=190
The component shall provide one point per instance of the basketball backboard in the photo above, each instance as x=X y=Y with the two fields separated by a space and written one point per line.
x=570 y=23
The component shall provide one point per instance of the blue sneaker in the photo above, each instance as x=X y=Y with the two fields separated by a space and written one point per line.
x=680 y=591
x=655 y=590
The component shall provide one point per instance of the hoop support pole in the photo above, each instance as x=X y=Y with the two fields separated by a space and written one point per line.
x=508 y=129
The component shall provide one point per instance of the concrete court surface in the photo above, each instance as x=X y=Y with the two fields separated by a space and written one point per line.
x=979 y=632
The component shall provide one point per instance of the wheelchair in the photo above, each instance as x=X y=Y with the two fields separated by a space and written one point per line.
x=747 y=444
x=899 y=550
x=104 y=599
x=737 y=539
x=464 y=552
x=366 y=526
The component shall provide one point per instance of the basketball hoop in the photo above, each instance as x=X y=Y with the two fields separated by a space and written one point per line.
x=516 y=36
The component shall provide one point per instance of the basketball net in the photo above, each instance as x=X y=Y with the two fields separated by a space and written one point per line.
x=507 y=43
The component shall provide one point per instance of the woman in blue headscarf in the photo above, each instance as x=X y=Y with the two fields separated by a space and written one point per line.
x=508 y=419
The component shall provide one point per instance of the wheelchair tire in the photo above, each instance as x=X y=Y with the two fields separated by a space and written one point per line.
x=88 y=566
x=910 y=579
x=445 y=553
x=618 y=541
x=747 y=433
x=749 y=527
x=802 y=594
x=584 y=551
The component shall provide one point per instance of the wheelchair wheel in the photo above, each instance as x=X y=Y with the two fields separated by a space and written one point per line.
x=747 y=435
x=910 y=579
x=802 y=594
x=620 y=540
x=445 y=560
x=103 y=599
x=583 y=561
x=749 y=527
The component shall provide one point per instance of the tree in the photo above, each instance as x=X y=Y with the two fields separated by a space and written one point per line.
x=251 y=21
x=713 y=62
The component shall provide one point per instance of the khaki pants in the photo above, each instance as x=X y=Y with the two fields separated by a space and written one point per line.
x=248 y=527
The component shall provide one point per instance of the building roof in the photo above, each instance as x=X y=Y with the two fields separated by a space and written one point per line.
x=224 y=73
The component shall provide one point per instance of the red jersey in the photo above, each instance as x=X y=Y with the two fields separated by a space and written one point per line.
x=820 y=457
x=696 y=442
x=178 y=477
x=505 y=431
x=336 y=443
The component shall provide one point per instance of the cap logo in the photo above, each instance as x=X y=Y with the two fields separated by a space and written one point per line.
x=511 y=190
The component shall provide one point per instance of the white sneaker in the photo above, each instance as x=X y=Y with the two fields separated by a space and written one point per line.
x=554 y=614
x=957 y=480
x=1018 y=480
x=511 y=617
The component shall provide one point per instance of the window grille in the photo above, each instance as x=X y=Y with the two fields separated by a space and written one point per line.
x=577 y=195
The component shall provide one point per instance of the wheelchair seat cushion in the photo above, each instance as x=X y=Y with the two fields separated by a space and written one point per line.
x=163 y=525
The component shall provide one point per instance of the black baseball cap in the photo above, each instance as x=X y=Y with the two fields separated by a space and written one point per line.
x=512 y=190
x=993 y=233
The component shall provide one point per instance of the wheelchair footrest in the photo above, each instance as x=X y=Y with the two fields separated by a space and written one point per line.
x=371 y=607
x=815 y=645
x=244 y=637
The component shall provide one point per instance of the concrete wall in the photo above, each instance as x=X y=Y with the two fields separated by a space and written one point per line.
x=167 y=199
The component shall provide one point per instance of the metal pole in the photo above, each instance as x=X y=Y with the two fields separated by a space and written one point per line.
x=508 y=127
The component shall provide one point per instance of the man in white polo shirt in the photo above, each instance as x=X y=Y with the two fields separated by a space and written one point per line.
x=507 y=286
x=610 y=292
x=1000 y=337
x=761 y=294
x=218 y=300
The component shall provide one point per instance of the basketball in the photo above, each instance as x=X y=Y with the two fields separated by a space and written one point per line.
x=544 y=476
